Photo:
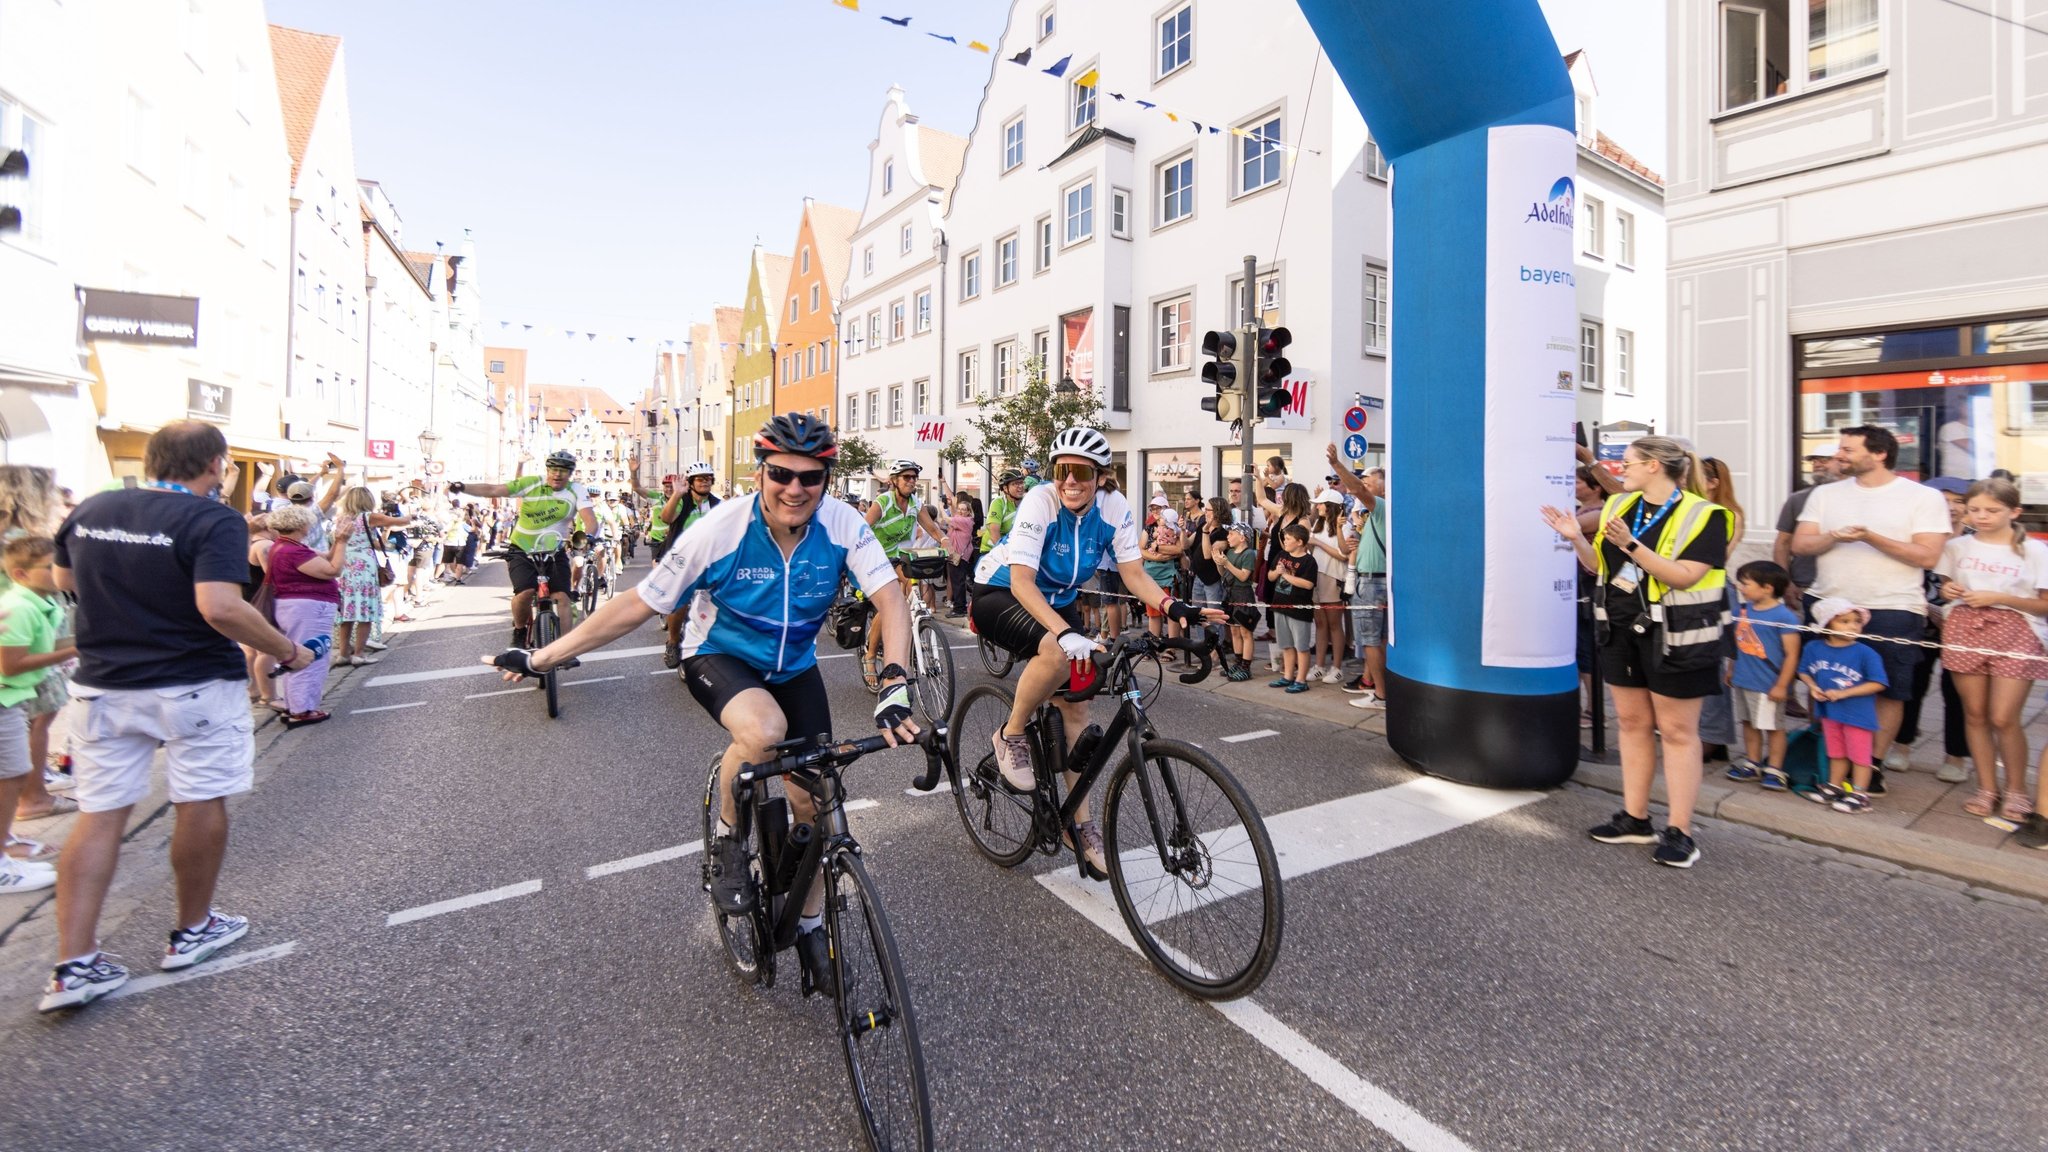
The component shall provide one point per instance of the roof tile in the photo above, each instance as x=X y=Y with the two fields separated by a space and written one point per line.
x=303 y=60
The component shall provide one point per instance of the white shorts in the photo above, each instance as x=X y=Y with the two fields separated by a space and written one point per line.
x=205 y=731
x=14 y=741
x=1757 y=709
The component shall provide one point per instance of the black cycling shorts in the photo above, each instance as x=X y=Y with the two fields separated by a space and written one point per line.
x=715 y=679
x=526 y=576
x=1000 y=620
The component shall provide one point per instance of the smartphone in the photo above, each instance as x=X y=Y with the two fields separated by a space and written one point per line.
x=1580 y=428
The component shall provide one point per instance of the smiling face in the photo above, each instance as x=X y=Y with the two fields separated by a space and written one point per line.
x=1854 y=457
x=1073 y=478
x=1638 y=470
x=789 y=506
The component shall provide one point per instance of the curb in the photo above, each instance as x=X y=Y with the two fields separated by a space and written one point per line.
x=1985 y=868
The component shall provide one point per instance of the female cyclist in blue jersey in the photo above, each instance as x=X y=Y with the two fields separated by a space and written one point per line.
x=758 y=576
x=1063 y=529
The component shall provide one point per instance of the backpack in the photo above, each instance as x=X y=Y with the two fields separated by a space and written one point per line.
x=1806 y=760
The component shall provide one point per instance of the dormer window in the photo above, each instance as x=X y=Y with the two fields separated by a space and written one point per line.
x=888 y=177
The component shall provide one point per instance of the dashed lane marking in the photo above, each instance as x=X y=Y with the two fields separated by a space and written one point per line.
x=664 y=855
x=939 y=789
x=389 y=708
x=474 y=899
x=211 y=967
x=1308 y=840
x=503 y=692
x=1241 y=737
x=592 y=680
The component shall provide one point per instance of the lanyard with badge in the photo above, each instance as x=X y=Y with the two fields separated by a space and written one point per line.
x=1630 y=577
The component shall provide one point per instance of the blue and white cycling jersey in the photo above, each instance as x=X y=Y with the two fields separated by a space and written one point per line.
x=1064 y=547
x=750 y=603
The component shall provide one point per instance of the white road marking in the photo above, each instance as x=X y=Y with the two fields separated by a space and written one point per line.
x=503 y=692
x=862 y=805
x=643 y=860
x=663 y=672
x=487 y=670
x=442 y=908
x=1308 y=840
x=1241 y=737
x=593 y=680
x=940 y=789
x=212 y=967
x=389 y=708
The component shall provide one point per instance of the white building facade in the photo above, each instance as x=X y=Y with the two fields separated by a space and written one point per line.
x=1858 y=207
x=892 y=334
x=398 y=336
x=1094 y=231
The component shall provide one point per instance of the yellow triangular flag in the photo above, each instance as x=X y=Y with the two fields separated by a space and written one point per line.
x=1087 y=79
x=977 y=45
x=1172 y=117
x=849 y=5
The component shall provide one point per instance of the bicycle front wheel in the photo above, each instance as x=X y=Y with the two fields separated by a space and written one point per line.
x=877 y=1027
x=1193 y=871
x=934 y=672
x=546 y=630
x=1002 y=824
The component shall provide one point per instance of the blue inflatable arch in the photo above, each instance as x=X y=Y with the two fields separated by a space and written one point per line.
x=1470 y=102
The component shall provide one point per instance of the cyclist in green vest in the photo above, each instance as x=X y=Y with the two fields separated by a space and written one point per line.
x=657 y=522
x=1002 y=510
x=685 y=507
x=551 y=508
x=896 y=517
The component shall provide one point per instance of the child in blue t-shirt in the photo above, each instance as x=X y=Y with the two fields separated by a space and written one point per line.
x=1766 y=663
x=1844 y=678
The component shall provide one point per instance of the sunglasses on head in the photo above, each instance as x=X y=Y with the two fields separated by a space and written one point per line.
x=809 y=478
x=1084 y=473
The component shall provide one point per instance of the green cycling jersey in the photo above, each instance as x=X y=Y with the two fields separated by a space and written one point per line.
x=898 y=521
x=546 y=515
x=1002 y=512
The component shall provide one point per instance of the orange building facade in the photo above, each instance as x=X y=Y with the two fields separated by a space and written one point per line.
x=806 y=340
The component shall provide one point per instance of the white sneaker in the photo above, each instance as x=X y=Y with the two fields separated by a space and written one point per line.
x=1313 y=675
x=1899 y=759
x=188 y=946
x=55 y=781
x=1952 y=772
x=25 y=876
x=1370 y=701
x=375 y=645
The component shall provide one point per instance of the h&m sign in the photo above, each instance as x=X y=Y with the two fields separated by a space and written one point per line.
x=931 y=433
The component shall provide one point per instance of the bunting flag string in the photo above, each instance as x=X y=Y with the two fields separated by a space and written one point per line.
x=664 y=343
x=1092 y=79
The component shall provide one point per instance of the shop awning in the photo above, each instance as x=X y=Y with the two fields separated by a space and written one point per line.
x=244 y=445
x=57 y=377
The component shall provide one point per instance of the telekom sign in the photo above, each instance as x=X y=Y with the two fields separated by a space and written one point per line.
x=382 y=449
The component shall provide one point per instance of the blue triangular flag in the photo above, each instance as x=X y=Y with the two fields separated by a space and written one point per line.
x=1059 y=69
x=1147 y=104
x=1116 y=96
x=947 y=39
x=899 y=21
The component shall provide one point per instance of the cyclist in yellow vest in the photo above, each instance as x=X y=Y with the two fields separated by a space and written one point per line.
x=551 y=508
x=1659 y=604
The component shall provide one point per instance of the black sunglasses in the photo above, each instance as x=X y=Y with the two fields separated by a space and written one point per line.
x=811 y=478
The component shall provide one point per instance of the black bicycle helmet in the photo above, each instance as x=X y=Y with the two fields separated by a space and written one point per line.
x=796 y=433
x=561 y=458
x=1010 y=476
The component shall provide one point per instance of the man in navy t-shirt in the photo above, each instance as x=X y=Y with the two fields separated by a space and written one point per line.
x=158 y=572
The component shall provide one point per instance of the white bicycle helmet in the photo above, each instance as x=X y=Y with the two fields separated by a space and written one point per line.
x=902 y=466
x=700 y=468
x=1084 y=442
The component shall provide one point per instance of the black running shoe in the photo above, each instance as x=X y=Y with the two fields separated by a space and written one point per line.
x=671 y=656
x=518 y=637
x=1675 y=849
x=814 y=953
x=1876 y=783
x=732 y=886
x=1623 y=828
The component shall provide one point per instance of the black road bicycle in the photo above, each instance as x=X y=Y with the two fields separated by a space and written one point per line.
x=547 y=627
x=1190 y=864
x=877 y=1028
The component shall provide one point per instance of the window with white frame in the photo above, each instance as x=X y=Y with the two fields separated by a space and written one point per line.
x=1081 y=212
x=853 y=341
x=1266 y=302
x=1176 y=183
x=867 y=260
x=139 y=145
x=970 y=276
x=874 y=407
x=1013 y=144
x=852 y=411
x=1006 y=260
x=1044 y=244
x=815 y=297
x=875 y=328
x=1120 y=213
x=810 y=361
x=1041 y=346
x=1596 y=226
x=1624 y=239
x=970 y=376
x=896 y=321
x=1375 y=160
x=1006 y=367
x=1045 y=23
x=1080 y=104
x=921 y=397
x=1762 y=46
x=1176 y=40
x=21 y=129
x=1172 y=345
x=888 y=177
x=904 y=247
x=1258 y=155
x=1589 y=354
x=193 y=179
x=1379 y=297
x=803 y=260
x=924 y=310
x=792 y=309
x=825 y=415
x=1624 y=361
x=895 y=404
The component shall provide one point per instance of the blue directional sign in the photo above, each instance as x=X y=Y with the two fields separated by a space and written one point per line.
x=1354 y=419
x=1354 y=446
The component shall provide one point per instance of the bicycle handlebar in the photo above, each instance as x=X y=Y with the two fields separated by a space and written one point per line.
x=1133 y=645
x=809 y=755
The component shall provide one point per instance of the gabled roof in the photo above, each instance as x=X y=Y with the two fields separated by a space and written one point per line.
x=832 y=229
x=1606 y=147
x=941 y=154
x=303 y=60
x=774 y=287
x=563 y=403
x=731 y=322
x=1095 y=132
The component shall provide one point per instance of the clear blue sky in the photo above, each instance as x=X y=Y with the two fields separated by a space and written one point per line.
x=600 y=156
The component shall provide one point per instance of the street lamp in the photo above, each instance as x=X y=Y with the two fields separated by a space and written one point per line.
x=1067 y=387
x=429 y=440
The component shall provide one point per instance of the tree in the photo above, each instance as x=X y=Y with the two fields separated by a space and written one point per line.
x=857 y=457
x=955 y=452
x=1023 y=423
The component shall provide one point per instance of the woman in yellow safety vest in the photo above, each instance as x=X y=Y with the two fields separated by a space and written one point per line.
x=1659 y=604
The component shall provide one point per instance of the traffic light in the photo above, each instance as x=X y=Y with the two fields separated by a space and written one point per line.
x=1273 y=369
x=1219 y=371
x=13 y=162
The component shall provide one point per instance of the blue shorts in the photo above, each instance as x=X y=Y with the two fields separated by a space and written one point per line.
x=1369 y=611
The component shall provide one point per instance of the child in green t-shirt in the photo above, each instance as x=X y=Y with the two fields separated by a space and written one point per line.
x=29 y=652
x=1240 y=557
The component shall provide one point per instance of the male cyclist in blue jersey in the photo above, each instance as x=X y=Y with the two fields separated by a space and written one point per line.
x=758 y=576
x=1063 y=529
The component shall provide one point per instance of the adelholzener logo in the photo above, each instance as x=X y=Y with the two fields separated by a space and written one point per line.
x=1557 y=209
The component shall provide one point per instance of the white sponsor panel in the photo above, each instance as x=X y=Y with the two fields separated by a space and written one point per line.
x=1529 y=586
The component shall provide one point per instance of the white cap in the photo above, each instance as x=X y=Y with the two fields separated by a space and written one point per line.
x=1330 y=496
x=1160 y=500
x=1825 y=611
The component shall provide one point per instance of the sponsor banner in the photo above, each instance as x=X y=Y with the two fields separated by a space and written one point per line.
x=209 y=401
x=1529 y=580
x=1077 y=348
x=931 y=433
x=137 y=318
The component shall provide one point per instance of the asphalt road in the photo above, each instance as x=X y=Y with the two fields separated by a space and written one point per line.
x=1503 y=983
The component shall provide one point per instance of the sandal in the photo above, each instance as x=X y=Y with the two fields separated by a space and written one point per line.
x=23 y=848
x=1984 y=803
x=301 y=719
x=59 y=806
x=2018 y=806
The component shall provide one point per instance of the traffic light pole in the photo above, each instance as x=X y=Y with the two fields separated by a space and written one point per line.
x=1248 y=385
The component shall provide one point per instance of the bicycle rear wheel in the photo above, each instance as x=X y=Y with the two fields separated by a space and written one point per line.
x=877 y=1027
x=935 y=672
x=995 y=658
x=738 y=934
x=546 y=630
x=1201 y=896
x=1002 y=824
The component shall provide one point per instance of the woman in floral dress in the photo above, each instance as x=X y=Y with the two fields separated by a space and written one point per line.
x=361 y=605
